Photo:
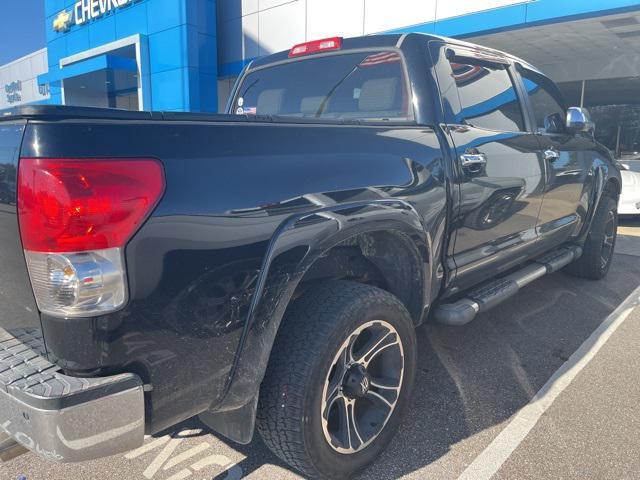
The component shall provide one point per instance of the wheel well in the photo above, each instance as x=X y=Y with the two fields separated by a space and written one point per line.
x=384 y=259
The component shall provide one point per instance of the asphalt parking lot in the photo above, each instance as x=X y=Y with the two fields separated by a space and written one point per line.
x=471 y=399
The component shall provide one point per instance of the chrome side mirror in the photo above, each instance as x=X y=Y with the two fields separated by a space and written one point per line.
x=579 y=120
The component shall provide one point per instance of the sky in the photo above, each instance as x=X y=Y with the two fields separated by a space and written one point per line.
x=22 y=30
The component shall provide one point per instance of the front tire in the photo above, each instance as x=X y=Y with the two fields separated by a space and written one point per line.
x=339 y=376
x=599 y=246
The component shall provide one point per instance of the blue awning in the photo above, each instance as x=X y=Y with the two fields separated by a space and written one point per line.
x=92 y=64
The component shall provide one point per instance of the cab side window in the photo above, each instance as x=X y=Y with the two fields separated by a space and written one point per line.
x=487 y=96
x=545 y=102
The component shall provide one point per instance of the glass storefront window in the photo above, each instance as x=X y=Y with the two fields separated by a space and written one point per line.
x=618 y=127
x=615 y=108
x=105 y=88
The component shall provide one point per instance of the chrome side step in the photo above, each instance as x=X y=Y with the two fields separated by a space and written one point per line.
x=490 y=294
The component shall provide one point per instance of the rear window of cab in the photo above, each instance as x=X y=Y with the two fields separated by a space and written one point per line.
x=364 y=85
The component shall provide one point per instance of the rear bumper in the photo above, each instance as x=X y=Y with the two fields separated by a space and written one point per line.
x=63 y=418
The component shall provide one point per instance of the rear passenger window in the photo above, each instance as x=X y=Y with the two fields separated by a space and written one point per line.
x=487 y=97
x=545 y=102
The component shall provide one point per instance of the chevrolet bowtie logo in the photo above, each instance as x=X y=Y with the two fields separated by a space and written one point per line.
x=62 y=22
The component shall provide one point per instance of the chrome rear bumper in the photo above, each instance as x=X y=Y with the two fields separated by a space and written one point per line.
x=63 y=418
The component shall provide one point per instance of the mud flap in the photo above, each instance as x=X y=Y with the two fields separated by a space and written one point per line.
x=236 y=425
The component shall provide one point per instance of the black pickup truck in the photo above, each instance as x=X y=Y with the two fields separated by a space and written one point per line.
x=268 y=266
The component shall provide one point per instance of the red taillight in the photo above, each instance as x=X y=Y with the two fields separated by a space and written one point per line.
x=334 y=43
x=73 y=205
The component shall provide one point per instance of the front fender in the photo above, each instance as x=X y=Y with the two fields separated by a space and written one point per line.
x=294 y=247
x=605 y=172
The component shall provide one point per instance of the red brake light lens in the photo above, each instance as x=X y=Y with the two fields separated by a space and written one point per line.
x=334 y=43
x=74 y=205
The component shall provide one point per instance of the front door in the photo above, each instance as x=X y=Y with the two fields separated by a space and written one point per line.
x=500 y=172
x=568 y=163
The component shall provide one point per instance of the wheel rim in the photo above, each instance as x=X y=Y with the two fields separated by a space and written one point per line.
x=609 y=239
x=362 y=387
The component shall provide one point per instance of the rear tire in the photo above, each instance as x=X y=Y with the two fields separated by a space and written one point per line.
x=599 y=246
x=315 y=391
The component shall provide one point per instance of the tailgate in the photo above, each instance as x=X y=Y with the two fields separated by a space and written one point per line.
x=17 y=304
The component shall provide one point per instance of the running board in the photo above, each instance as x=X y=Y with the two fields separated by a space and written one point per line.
x=488 y=295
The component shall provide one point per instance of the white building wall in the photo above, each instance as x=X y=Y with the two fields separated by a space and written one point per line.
x=322 y=20
x=18 y=80
x=253 y=28
x=454 y=8
x=382 y=16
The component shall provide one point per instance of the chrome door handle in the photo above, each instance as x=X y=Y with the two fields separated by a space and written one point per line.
x=551 y=155
x=471 y=160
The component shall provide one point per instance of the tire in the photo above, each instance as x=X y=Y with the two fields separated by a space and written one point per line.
x=598 y=249
x=318 y=331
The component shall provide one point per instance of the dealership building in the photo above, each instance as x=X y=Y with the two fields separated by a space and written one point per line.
x=184 y=55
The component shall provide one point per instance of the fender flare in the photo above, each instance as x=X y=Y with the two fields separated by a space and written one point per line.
x=602 y=177
x=293 y=248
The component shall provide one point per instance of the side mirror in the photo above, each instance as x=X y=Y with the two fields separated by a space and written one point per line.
x=579 y=120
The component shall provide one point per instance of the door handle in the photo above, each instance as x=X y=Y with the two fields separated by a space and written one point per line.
x=473 y=160
x=551 y=155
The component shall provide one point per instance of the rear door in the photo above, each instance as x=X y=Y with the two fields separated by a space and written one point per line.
x=500 y=173
x=567 y=158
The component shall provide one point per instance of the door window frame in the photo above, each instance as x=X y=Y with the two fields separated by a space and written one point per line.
x=493 y=59
x=524 y=94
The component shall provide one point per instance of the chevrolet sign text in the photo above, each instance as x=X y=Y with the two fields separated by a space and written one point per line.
x=85 y=10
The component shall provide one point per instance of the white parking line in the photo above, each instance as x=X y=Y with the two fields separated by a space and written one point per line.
x=162 y=457
x=192 y=452
x=166 y=460
x=499 y=450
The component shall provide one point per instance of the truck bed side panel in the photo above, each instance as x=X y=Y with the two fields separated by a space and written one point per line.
x=192 y=268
